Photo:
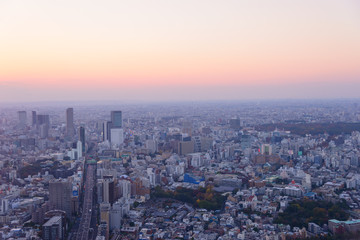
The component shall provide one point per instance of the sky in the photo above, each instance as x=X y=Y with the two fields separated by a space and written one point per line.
x=175 y=50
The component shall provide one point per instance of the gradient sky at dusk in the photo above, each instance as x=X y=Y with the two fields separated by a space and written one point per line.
x=179 y=50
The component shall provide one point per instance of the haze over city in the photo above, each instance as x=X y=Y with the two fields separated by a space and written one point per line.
x=178 y=50
x=181 y=119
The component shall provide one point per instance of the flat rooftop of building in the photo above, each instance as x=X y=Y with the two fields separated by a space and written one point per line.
x=346 y=222
x=52 y=221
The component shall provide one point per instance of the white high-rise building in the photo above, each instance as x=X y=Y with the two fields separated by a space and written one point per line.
x=117 y=136
x=79 y=150
x=116 y=216
x=125 y=188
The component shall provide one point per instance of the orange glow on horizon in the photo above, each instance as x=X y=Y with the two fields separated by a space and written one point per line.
x=82 y=44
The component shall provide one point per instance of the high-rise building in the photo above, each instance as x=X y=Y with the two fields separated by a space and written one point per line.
x=125 y=187
x=60 y=192
x=22 y=118
x=186 y=147
x=108 y=189
x=43 y=125
x=116 y=216
x=42 y=119
x=53 y=229
x=70 y=131
x=82 y=138
x=116 y=119
x=33 y=118
x=115 y=123
x=106 y=130
x=44 y=130
x=117 y=136
x=79 y=150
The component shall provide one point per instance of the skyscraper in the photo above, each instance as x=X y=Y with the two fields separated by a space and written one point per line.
x=43 y=124
x=33 y=118
x=117 y=136
x=22 y=118
x=42 y=119
x=82 y=138
x=70 y=131
x=106 y=130
x=53 y=229
x=115 y=127
x=60 y=195
x=79 y=150
x=116 y=119
x=108 y=189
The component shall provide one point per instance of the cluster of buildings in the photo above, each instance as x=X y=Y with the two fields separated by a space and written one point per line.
x=258 y=172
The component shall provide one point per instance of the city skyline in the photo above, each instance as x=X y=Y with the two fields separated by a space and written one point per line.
x=162 y=51
x=230 y=170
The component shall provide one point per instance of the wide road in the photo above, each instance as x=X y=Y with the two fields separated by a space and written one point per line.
x=84 y=227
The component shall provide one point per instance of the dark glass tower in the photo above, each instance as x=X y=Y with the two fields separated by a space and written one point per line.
x=82 y=138
x=116 y=119
x=33 y=118
x=70 y=122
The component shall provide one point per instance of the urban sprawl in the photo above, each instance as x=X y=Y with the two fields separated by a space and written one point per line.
x=271 y=170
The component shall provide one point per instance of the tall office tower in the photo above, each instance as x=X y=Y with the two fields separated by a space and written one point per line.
x=106 y=130
x=70 y=131
x=108 y=189
x=99 y=190
x=116 y=215
x=44 y=131
x=125 y=187
x=116 y=119
x=82 y=138
x=117 y=136
x=22 y=118
x=53 y=229
x=33 y=118
x=186 y=147
x=79 y=150
x=60 y=192
x=42 y=119
x=43 y=125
